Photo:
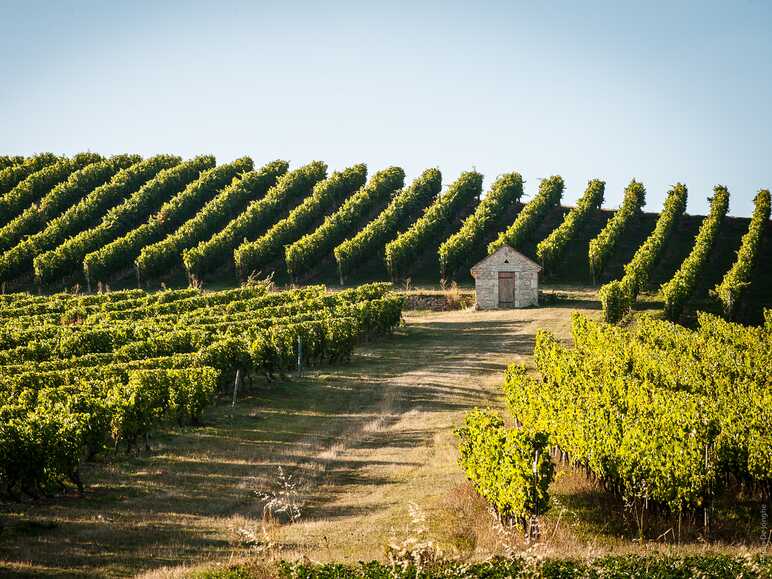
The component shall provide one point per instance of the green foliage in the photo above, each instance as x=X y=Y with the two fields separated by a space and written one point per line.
x=84 y=214
x=118 y=220
x=729 y=291
x=614 y=300
x=604 y=244
x=61 y=197
x=254 y=256
x=681 y=286
x=158 y=257
x=426 y=233
x=461 y=248
x=230 y=573
x=190 y=391
x=549 y=195
x=211 y=254
x=39 y=183
x=14 y=174
x=615 y=426
x=659 y=413
x=10 y=161
x=255 y=219
x=618 y=297
x=313 y=247
x=43 y=435
x=617 y=566
x=81 y=374
x=121 y=252
x=729 y=363
x=510 y=469
x=405 y=207
x=550 y=249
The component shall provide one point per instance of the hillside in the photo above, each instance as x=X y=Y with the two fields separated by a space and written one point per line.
x=88 y=233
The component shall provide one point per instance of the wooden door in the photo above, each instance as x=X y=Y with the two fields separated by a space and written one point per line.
x=506 y=289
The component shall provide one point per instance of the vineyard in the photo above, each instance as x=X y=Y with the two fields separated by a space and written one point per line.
x=671 y=421
x=144 y=299
x=126 y=222
x=85 y=375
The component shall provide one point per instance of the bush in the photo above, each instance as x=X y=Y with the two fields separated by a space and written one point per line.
x=123 y=251
x=62 y=196
x=612 y=566
x=57 y=249
x=39 y=183
x=17 y=172
x=730 y=289
x=510 y=469
x=602 y=247
x=208 y=255
x=86 y=213
x=226 y=206
x=550 y=249
x=683 y=283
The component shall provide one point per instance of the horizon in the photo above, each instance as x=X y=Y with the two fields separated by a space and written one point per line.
x=659 y=93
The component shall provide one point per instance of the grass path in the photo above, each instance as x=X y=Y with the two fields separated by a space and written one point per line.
x=363 y=441
x=447 y=364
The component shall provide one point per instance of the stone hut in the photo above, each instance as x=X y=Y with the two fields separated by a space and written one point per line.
x=506 y=279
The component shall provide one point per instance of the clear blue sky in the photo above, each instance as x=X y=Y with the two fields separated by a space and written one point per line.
x=664 y=92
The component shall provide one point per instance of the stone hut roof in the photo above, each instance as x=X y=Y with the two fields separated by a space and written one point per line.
x=501 y=255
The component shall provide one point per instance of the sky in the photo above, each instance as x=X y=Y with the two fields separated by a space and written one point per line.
x=658 y=91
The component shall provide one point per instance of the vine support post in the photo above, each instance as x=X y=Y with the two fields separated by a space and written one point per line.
x=536 y=483
x=300 y=357
x=706 y=505
x=729 y=310
x=533 y=531
x=705 y=520
x=236 y=387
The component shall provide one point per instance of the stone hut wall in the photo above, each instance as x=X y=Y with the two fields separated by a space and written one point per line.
x=506 y=260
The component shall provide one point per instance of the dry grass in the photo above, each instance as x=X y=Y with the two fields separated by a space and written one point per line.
x=584 y=522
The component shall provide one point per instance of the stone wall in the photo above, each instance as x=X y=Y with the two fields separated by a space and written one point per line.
x=527 y=289
x=487 y=288
x=438 y=302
